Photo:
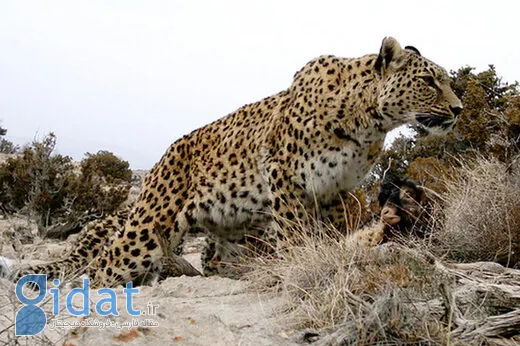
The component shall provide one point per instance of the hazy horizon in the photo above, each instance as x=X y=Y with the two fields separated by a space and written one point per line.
x=131 y=77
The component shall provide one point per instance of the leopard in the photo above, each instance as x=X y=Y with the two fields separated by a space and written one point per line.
x=405 y=211
x=281 y=159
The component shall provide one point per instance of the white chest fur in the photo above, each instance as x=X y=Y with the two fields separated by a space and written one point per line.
x=334 y=171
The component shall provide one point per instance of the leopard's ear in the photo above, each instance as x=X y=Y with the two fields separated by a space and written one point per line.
x=391 y=55
x=413 y=50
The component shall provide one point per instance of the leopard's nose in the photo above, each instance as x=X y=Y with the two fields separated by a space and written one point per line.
x=456 y=110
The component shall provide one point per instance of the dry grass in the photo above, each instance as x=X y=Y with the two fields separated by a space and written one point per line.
x=337 y=293
x=18 y=234
x=9 y=305
x=365 y=295
x=481 y=214
x=14 y=232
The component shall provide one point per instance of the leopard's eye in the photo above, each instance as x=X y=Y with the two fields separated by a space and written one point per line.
x=429 y=80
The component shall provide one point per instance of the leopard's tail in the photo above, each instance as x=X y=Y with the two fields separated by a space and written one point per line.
x=63 y=270
x=81 y=260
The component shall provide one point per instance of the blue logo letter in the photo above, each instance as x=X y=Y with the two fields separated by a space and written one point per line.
x=85 y=291
x=55 y=296
x=30 y=319
x=128 y=291
x=111 y=299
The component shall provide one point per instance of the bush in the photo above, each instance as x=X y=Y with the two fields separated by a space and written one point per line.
x=37 y=180
x=103 y=184
x=6 y=147
x=48 y=187
x=106 y=165
x=481 y=214
x=431 y=172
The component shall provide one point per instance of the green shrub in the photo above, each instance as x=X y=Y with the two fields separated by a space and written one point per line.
x=107 y=165
x=47 y=186
x=36 y=180
x=6 y=147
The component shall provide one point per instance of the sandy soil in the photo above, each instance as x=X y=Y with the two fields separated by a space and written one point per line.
x=189 y=310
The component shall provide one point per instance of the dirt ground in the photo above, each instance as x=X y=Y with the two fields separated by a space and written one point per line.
x=188 y=310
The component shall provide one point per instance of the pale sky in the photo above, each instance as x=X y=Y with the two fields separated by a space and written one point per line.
x=133 y=76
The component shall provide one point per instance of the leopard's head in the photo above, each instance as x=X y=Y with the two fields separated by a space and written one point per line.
x=414 y=89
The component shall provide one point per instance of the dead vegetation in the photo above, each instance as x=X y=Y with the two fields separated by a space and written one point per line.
x=481 y=214
x=339 y=293
x=413 y=291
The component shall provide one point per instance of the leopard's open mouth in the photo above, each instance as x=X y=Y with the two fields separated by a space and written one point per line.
x=432 y=121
